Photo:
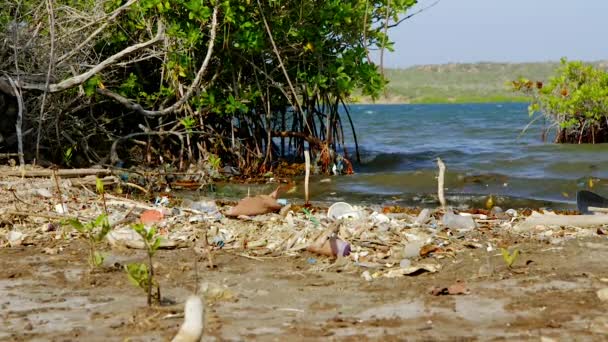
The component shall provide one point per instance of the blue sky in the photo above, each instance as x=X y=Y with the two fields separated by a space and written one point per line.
x=502 y=31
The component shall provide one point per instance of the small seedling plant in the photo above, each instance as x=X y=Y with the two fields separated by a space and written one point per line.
x=142 y=274
x=95 y=231
x=509 y=258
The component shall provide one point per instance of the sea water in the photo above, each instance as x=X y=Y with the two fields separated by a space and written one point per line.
x=485 y=148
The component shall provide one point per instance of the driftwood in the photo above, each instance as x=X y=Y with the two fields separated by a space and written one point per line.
x=66 y=173
x=581 y=221
x=440 y=182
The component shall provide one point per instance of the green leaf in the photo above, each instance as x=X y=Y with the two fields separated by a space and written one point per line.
x=76 y=224
x=99 y=185
x=100 y=220
x=138 y=274
x=509 y=258
x=140 y=229
x=98 y=259
x=155 y=245
x=310 y=217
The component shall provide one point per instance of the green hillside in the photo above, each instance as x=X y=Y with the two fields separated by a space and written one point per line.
x=462 y=83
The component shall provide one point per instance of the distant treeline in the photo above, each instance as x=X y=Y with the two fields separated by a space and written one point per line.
x=463 y=83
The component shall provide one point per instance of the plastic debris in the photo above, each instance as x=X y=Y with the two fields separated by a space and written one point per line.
x=332 y=247
x=161 y=201
x=258 y=205
x=603 y=294
x=127 y=237
x=378 y=218
x=412 y=249
x=342 y=210
x=42 y=192
x=549 y=219
x=367 y=276
x=205 y=207
x=61 y=208
x=423 y=217
x=150 y=217
x=15 y=238
x=458 y=222
x=405 y=263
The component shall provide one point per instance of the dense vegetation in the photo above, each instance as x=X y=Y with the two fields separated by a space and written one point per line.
x=575 y=101
x=463 y=83
x=179 y=81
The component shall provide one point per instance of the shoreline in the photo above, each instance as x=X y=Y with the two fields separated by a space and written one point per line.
x=405 y=272
x=399 y=101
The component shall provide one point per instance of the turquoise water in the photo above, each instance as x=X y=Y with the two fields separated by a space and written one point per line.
x=482 y=146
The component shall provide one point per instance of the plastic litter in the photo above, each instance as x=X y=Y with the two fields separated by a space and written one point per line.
x=458 y=222
x=258 y=205
x=150 y=217
x=332 y=247
x=161 y=201
x=61 y=208
x=15 y=238
x=405 y=263
x=378 y=218
x=207 y=207
x=341 y=210
x=423 y=217
x=412 y=249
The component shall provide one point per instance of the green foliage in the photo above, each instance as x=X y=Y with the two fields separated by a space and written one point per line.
x=311 y=217
x=94 y=232
x=188 y=122
x=67 y=155
x=91 y=85
x=459 y=82
x=214 y=161
x=138 y=275
x=142 y=274
x=575 y=100
x=509 y=258
x=286 y=65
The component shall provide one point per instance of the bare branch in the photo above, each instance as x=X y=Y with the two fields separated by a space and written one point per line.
x=19 y=121
x=195 y=84
x=51 y=15
x=80 y=79
x=111 y=18
x=413 y=14
x=114 y=155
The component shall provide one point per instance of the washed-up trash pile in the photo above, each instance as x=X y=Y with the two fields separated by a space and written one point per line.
x=372 y=241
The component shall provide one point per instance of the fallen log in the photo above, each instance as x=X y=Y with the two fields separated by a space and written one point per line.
x=65 y=173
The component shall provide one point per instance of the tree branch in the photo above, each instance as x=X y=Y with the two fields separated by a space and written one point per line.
x=289 y=134
x=80 y=79
x=195 y=84
x=114 y=155
x=51 y=14
x=112 y=17
x=19 y=123
x=413 y=14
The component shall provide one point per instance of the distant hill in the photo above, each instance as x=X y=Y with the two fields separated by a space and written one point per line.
x=463 y=83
